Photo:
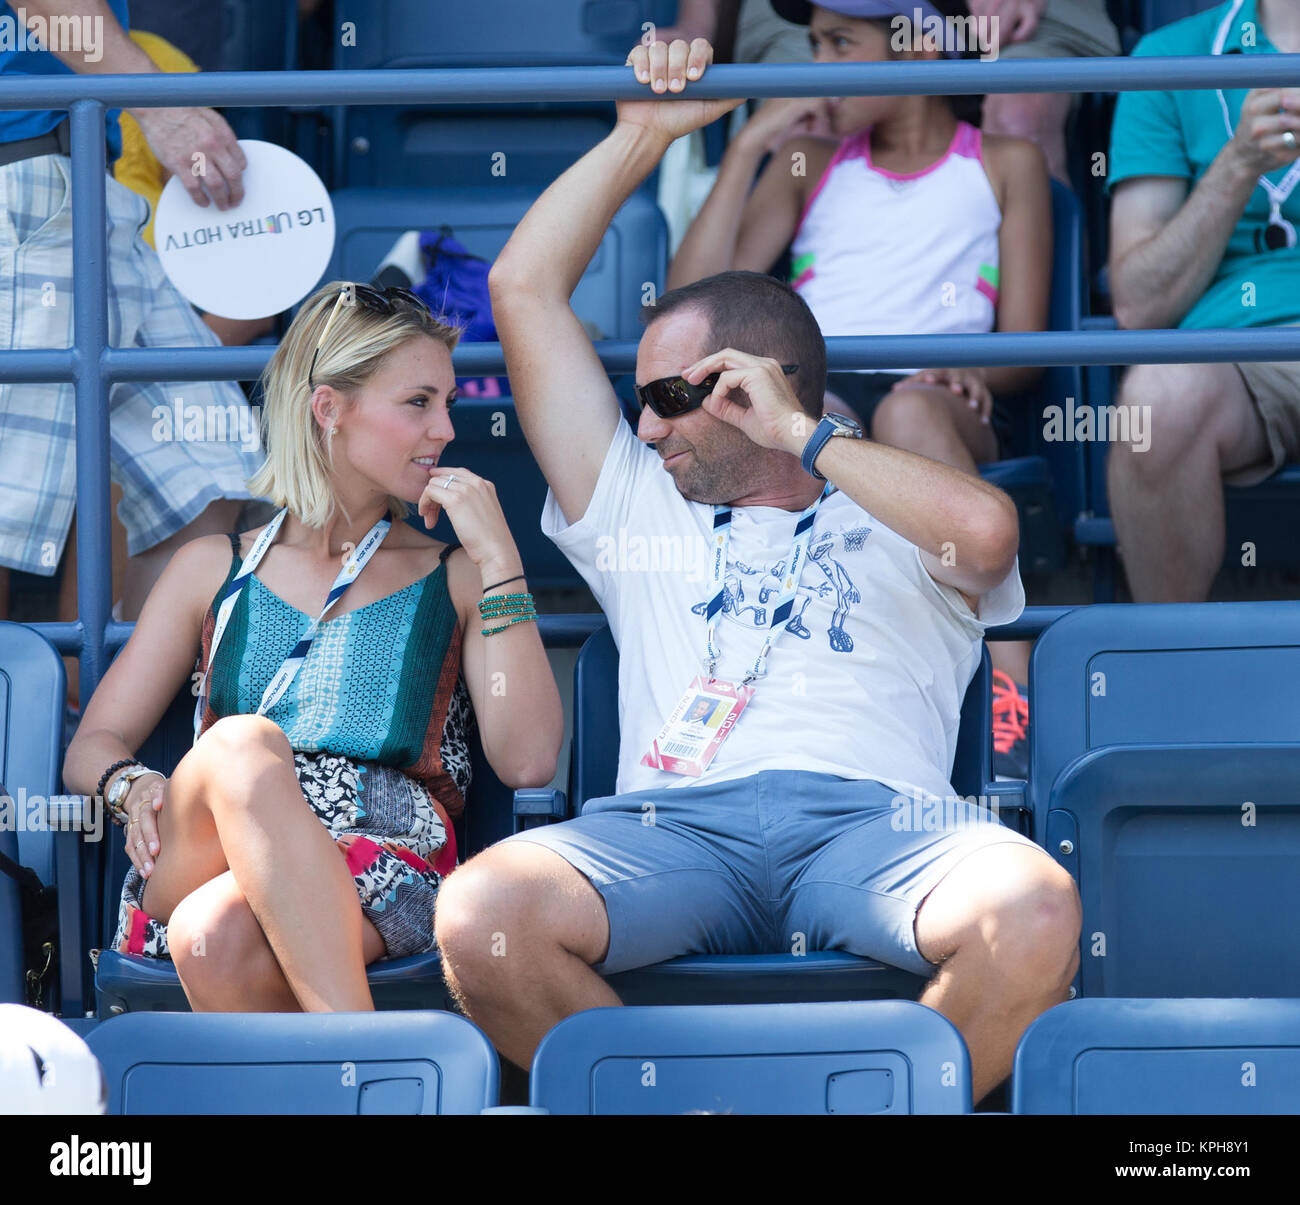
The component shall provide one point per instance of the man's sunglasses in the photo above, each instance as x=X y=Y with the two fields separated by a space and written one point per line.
x=376 y=301
x=670 y=396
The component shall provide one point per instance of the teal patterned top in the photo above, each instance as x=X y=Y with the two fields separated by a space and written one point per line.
x=381 y=683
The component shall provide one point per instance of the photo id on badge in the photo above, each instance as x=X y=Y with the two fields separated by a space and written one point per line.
x=702 y=719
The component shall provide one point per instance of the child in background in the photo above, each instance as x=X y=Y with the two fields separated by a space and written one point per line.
x=900 y=219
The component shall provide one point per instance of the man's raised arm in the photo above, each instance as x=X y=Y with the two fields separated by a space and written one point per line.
x=562 y=394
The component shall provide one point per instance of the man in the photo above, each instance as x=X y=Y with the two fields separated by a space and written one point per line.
x=1203 y=223
x=792 y=831
x=1042 y=29
x=173 y=491
x=702 y=711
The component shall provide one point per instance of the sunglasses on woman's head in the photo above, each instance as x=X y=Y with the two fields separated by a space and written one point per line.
x=376 y=301
x=670 y=396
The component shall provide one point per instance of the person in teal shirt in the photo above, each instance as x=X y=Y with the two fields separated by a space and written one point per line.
x=1203 y=234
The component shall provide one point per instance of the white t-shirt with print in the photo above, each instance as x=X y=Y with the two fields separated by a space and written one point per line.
x=867 y=680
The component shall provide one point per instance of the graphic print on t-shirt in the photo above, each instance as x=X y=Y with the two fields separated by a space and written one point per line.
x=747 y=590
x=887 y=710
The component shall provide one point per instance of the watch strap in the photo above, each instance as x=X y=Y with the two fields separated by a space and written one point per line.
x=823 y=432
x=122 y=787
x=113 y=769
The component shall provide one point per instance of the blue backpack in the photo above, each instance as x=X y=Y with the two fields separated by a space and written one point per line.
x=455 y=286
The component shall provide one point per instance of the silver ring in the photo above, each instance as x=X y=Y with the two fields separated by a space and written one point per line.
x=1288 y=139
x=139 y=845
x=446 y=484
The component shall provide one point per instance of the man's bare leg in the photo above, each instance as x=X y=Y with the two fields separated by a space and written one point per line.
x=145 y=568
x=1003 y=928
x=1038 y=116
x=519 y=929
x=68 y=602
x=1167 y=498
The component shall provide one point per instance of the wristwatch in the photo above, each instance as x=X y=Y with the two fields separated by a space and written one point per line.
x=830 y=426
x=117 y=793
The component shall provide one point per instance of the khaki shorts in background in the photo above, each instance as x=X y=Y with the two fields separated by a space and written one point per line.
x=1068 y=29
x=167 y=478
x=763 y=37
x=1275 y=390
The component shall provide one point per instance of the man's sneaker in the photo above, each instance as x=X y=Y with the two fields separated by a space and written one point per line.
x=1010 y=728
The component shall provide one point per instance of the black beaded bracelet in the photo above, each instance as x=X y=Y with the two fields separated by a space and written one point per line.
x=508 y=580
x=113 y=769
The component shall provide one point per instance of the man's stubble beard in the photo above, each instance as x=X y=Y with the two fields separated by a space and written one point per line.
x=723 y=478
x=708 y=483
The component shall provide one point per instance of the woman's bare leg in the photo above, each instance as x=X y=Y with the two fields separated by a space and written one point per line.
x=234 y=804
x=933 y=421
x=223 y=958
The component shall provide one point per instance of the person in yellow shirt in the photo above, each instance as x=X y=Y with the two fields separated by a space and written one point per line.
x=138 y=168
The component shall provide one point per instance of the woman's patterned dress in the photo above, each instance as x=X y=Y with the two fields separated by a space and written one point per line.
x=379 y=721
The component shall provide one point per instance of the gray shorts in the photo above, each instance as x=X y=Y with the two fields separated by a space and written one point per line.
x=781 y=862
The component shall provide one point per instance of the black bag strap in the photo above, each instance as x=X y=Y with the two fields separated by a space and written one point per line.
x=24 y=876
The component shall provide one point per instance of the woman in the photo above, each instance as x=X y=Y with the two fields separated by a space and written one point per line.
x=319 y=738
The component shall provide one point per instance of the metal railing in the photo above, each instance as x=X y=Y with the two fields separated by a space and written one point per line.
x=93 y=366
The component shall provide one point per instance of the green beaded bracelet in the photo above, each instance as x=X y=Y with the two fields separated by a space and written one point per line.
x=508 y=608
x=496 y=600
x=502 y=628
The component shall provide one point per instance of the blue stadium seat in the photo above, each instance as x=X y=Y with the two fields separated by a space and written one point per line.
x=489 y=441
x=11 y=925
x=261 y=35
x=633 y=253
x=258 y=35
x=32 y=691
x=767 y=978
x=1229 y=1058
x=1087 y=136
x=882 y=1057
x=520 y=33
x=1137 y=18
x=379 y=147
x=1046 y=480
x=1163 y=763
x=131 y=983
x=437 y=146
x=295 y=1063
x=1155 y=14
x=1261 y=516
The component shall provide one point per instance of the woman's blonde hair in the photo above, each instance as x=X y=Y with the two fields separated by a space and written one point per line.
x=296 y=472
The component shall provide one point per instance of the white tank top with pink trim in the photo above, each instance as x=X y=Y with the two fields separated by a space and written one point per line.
x=878 y=253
